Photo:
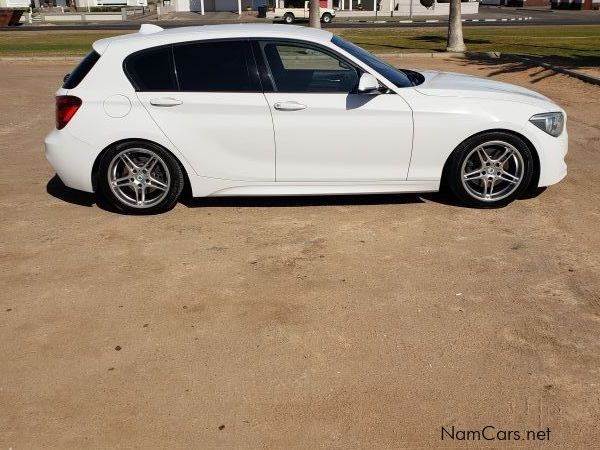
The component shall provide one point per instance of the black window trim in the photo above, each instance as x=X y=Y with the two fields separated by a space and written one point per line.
x=253 y=73
x=267 y=77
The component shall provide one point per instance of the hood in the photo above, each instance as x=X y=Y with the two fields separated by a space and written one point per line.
x=448 y=84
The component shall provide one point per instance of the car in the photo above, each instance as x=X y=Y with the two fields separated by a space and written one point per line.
x=291 y=14
x=262 y=110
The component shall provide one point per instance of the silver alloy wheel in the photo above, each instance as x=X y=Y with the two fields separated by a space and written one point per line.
x=139 y=177
x=492 y=171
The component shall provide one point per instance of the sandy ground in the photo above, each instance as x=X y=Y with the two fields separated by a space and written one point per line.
x=348 y=322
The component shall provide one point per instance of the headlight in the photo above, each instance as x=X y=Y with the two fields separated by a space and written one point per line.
x=552 y=123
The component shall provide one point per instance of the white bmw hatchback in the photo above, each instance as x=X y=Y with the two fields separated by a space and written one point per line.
x=280 y=110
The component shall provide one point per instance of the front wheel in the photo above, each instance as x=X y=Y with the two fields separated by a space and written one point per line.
x=140 y=178
x=490 y=170
x=288 y=18
x=326 y=18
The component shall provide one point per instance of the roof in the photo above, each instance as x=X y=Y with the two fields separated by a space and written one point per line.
x=150 y=36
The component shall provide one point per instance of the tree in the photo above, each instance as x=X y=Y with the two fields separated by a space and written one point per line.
x=314 y=14
x=455 y=34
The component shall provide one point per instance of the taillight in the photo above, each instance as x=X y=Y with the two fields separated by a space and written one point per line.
x=66 y=107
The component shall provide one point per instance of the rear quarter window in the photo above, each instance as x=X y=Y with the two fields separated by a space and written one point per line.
x=151 y=70
x=83 y=68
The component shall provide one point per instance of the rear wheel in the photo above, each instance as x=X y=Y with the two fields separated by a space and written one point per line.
x=326 y=18
x=288 y=18
x=140 y=178
x=490 y=170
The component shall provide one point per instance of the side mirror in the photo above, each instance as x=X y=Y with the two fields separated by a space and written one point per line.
x=66 y=77
x=368 y=84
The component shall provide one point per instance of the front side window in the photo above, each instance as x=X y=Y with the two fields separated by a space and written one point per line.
x=303 y=68
x=152 y=70
x=398 y=77
x=220 y=66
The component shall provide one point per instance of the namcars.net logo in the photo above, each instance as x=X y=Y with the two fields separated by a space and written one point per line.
x=492 y=433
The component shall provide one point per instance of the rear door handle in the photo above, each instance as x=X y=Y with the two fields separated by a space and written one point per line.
x=289 y=106
x=165 y=101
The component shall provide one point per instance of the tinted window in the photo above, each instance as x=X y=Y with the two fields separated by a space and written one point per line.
x=152 y=70
x=396 y=76
x=82 y=69
x=300 y=68
x=213 y=67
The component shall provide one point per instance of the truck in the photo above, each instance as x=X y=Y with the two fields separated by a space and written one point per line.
x=292 y=14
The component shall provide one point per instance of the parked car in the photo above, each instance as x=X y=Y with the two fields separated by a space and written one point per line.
x=290 y=15
x=253 y=109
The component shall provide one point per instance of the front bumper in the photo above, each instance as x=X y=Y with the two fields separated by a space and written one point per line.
x=72 y=159
x=551 y=151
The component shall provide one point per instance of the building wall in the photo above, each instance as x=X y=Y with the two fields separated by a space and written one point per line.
x=536 y=3
x=96 y=3
x=210 y=5
x=14 y=3
x=571 y=4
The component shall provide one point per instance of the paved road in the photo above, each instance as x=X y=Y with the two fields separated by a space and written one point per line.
x=488 y=16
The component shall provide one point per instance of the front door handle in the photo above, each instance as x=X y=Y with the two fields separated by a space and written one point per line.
x=289 y=106
x=165 y=101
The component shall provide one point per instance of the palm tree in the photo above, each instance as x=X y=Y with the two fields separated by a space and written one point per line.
x=314 y=14
x=455 y=34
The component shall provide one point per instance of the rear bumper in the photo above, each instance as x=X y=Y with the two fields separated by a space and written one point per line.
x=72 y=159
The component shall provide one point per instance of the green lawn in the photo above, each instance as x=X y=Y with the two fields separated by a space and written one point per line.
x=578 y=45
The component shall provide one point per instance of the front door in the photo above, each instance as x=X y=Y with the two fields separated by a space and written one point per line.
x=216 y=114
x=324 y=129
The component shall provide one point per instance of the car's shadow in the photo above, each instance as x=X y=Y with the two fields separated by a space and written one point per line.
x=57 y=189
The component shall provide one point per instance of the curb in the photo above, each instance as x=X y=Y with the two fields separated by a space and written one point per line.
x=42 y=58
x=400 y=22
x=512 y=19
x=425 y=55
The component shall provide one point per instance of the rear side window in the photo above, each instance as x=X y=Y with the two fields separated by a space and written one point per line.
x=214 y=67
x=152 y=70
x=82 y=69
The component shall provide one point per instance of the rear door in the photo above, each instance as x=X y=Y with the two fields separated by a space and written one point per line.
x=211 y=106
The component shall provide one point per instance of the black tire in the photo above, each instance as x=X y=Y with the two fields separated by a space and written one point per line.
x=288 y=18
x=167 y=172
x=492 y=173
x=326 y=18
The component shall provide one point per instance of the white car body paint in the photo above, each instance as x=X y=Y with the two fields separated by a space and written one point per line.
x=235 y=127
x=340 y=145
x=239 y=144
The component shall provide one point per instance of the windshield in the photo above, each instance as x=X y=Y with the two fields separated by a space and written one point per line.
x=396 y=76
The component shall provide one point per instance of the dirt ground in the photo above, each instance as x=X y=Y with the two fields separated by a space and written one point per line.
x=352 y=322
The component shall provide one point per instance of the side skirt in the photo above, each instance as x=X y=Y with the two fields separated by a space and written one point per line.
x=205 y=187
